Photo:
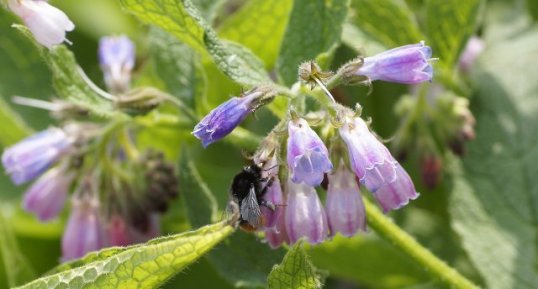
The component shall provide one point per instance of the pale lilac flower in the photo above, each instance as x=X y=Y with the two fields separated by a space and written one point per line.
x=308 y=158
x=277 y=235
x=32 y=156
x=374 y=165
x=407 y=64
x=46 y=197
x=472 y=50
x=344 y=208
x=225 y=118
x=47 y=23
x=304 y=214
x=274 y=197
x=84 y=231
x=117 y=60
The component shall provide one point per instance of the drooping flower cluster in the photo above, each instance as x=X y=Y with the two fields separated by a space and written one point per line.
x=295 y=211
x=116 y=193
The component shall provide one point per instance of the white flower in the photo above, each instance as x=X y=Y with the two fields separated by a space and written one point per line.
x=47 y=23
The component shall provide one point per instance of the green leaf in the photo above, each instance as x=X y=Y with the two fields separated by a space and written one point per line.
x=242 y=260
x=18 y=270
x=315 y=26
x=363 y=259
x=140 y=266
x=449 y=24
x=260 y=26
x=533 y=9
x=13 y=126
x=178 y=66
x=390 y=22
x=183 y=20
x=201 y=205
x=69 y=79
x=494 y=196
x=295 y=272
x=23 y=71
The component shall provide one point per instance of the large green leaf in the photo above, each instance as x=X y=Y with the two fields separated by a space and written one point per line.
x=70 y=81
x=449 y=24
x=178 y=66
x=295 y=272
x=242 y=260
x=23 y=71
x=17 y=268
x=390 y=22
x=494 y=197
x=363 y=259
x=260 y=26
x=140 y=266
x=182 y=19
x=315 y=27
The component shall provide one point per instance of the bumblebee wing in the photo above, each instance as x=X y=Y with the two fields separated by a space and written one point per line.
x=250 y=210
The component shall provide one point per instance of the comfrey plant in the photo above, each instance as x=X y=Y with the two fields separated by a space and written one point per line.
x=346 y=154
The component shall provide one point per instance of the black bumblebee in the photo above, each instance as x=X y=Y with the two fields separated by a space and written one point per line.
x=247 y=190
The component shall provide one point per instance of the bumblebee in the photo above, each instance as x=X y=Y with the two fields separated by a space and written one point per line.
x=247 y=191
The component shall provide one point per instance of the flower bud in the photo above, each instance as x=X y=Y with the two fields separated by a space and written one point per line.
x=226 y=117
x=47 y=23
x=117 y=60
x=84 y=231
x=431 y=168
x=472 y=50
x=46 y=197
x=308 y=158
x=30 y=157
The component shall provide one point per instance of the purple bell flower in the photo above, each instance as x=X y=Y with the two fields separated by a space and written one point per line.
x=225 y=118
x=84 y=231
x=274 y=197
x=46 y=197
x=345 y=209
x=407 y=64
x=308 y=158
x=32 y=156
x=117 y=60
x=47 y=23
x=304 y=214
x=375 y=167
x=277 y=235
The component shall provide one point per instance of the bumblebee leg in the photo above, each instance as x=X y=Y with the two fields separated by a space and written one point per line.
x=268 y=204
x=268 y=183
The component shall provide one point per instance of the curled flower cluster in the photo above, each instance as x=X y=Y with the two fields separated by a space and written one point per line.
x=294 y=211
x=116 y=193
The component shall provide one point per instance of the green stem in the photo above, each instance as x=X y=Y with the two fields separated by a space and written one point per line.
x=389 y=231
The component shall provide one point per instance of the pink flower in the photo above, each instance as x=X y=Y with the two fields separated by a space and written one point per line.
x=304 y=214
x=84 y=231
x=345 y=210
x=46 y=197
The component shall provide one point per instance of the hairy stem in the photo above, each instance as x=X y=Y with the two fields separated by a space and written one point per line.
x=437 y=268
